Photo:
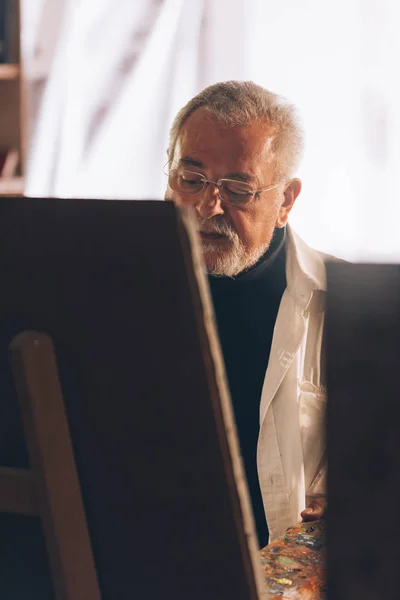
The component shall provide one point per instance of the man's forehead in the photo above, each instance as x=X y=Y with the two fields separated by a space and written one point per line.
x=203 y=135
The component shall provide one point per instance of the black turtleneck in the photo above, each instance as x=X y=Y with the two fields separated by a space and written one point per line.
x=246 y=308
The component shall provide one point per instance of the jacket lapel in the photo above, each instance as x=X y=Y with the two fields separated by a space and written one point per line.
x=288 y=335
x=305 y=272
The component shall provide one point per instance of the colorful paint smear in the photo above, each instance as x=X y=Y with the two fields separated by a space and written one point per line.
x=294 y=565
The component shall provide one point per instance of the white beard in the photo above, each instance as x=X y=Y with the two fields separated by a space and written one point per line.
x=232 y=262
x=227 y=262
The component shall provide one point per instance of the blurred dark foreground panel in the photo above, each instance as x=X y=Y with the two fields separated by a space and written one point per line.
x=363 y=359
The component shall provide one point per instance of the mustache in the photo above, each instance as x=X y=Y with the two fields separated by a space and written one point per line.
x=217 y=225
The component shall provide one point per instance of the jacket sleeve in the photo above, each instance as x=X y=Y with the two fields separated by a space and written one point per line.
x=318 y=484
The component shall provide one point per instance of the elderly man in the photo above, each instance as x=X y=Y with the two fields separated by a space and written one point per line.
x=233 y=152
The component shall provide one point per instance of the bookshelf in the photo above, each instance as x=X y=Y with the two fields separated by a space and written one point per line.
x=11 y=106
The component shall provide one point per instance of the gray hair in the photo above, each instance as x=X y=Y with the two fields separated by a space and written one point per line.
x=241 y=103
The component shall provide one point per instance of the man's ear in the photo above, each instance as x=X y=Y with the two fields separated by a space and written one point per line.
x=290 y=194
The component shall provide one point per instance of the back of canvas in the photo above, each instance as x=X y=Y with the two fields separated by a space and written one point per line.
x=114 y=285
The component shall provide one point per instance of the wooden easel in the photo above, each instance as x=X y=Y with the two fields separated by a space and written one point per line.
x=50 y=489
x=120 y=289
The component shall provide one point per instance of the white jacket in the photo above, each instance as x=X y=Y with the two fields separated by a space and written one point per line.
x=291 y=441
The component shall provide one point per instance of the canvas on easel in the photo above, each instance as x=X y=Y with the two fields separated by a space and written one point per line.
x=119 y=288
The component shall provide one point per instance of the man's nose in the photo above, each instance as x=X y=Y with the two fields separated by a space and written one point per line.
x=210 y=205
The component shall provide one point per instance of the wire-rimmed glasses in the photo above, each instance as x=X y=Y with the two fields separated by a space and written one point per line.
x=231 y=191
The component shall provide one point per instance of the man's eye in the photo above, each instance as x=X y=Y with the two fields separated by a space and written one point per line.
x=238 y=193
x=237 y=190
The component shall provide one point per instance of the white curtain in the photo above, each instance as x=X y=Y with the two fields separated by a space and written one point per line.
x=338 y=62
x=120 y=70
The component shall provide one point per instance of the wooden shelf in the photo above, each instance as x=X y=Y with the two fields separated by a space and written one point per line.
x=12 y=187
x=11 y=105
x=9 y=72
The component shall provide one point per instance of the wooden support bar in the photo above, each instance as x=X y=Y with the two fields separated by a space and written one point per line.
x=51 y=454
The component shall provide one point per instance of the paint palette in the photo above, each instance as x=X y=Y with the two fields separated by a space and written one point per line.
x=294 y=565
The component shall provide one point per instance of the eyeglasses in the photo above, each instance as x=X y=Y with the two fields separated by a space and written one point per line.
x=231 y=191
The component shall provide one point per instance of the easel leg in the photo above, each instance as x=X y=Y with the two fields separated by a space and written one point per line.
x=50 y=450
